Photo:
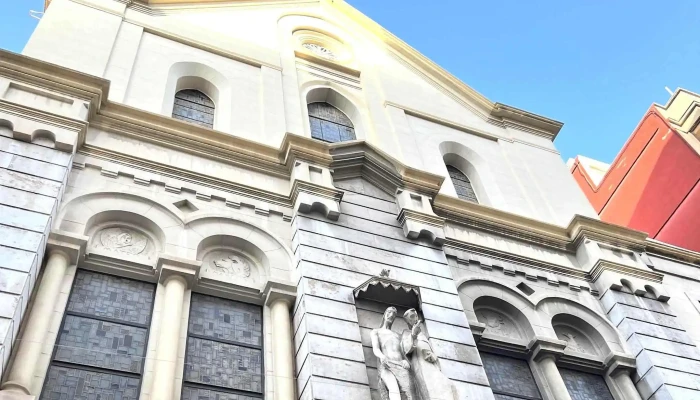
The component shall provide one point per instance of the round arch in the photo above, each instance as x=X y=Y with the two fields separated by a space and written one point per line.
x=193 y=75
x=474 y=167
x=333 y=94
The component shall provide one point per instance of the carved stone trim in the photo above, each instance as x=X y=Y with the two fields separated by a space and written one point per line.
x=389 y=291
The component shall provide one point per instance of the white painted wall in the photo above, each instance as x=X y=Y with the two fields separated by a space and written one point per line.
x=247 y=54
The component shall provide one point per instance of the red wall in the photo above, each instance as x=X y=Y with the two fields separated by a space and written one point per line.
x=652 y=185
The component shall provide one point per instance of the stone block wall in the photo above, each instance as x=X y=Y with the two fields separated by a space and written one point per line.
x=32 y=178
x=668 y=360
x=331 y=331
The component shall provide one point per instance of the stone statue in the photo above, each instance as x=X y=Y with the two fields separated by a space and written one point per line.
x=429 y=381
x=395 y=381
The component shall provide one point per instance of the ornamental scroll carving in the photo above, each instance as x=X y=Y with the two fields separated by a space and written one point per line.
x=122 y=240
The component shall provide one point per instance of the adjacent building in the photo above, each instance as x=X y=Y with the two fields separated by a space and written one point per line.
x=652 y=186
x=221 y=199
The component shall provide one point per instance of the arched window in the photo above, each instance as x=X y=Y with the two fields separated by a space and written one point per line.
x=463 y=186
x=330 y=124
x=195 y=107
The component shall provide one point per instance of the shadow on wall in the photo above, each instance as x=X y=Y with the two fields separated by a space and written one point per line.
x=200 y=77
x=470 y=164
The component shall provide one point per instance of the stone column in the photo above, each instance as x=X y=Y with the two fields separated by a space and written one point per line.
x=619 y=368
x=20 y=377
x=175 y=278
x=280 y=298
x=545 y=353
x=548 y=364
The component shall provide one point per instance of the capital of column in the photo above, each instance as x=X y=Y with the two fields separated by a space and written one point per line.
x=540 y=348
x=170 y=267
x=71 y=245
x=279 y=291
x=617 y=363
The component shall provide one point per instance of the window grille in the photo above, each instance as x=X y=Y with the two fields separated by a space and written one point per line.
x=195 y=107
x=224 y=357
x=330 y=124
x=510 y=378
x=100 y=349
x=462 y=184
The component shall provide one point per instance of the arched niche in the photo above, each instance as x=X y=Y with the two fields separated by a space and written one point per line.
x=503 y=311
x=595 y=326
x=331 y=93
x=232 y=260
x=579 y=335
x=473 y=166
x=124 y=235
x=79 y=212
x=221 y=236
x=205 y=79
x=501 y=318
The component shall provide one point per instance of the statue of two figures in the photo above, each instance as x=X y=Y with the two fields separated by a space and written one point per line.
x=407 y=367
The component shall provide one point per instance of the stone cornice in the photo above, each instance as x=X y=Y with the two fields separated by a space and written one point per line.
x=55 y=78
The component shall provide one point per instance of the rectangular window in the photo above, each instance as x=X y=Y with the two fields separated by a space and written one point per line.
x=510 y=378
x=224 y=357
x=101 y=346
x=585 y=386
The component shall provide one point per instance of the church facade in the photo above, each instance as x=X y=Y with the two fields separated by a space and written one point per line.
x=241 y=200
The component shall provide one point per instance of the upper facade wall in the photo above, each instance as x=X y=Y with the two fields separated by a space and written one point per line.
x=250 y=61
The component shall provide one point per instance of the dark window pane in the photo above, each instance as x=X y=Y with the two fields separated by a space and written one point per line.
x=329 y=113
x=462 y=185
x=195 y=107
x=330 y=124
x=189 y=393
x=111 y=297
x=74 y=384
x=346 y=133
x=584 y=386
x=331 y=133
x=101 y=344
x=316 y=131
x=224 y=365
x=509 y=376
x=226 y=320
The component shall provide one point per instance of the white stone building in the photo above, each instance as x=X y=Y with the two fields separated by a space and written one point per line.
x=218 y=199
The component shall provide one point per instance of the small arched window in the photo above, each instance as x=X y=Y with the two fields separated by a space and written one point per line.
x=462 y=185
x=195 y=107
x=330 y=124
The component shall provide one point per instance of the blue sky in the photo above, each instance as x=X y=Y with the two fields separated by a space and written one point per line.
x=596 y=65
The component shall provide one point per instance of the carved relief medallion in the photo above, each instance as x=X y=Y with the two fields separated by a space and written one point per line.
x=575 y=341
x=497 y=323
x=230 y=264
x=123 y=240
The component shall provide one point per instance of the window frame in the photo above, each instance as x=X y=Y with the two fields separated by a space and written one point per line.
x=261 y=348
x=503 y=393
x=190 y=120
x=469 y=181
x=91 y=368
x=314 y=117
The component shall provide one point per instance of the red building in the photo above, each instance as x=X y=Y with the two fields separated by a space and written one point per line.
x=652 y=185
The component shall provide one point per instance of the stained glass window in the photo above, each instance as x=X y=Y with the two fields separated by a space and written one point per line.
x=100 y=348
x=585 y=386
x=195 y=107
x=330 y=124
x=510 y=378
x=224 y=350
x=462 y=185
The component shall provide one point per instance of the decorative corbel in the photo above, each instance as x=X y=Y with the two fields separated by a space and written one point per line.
x=418 y=219
x=313 y=190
